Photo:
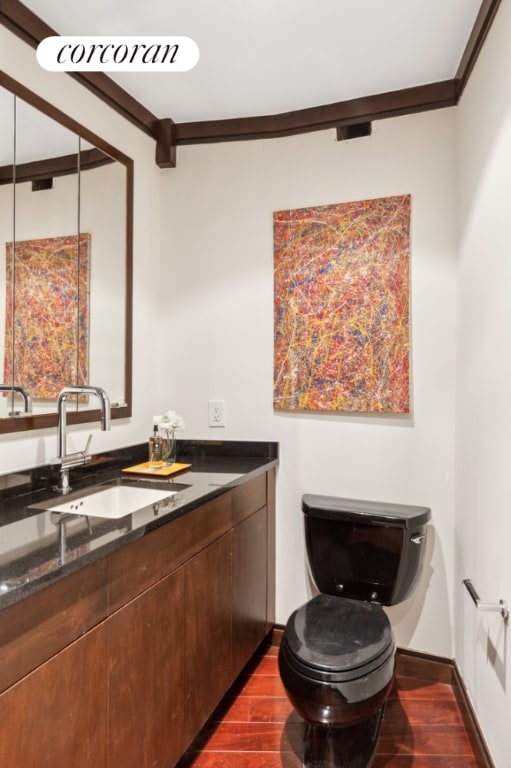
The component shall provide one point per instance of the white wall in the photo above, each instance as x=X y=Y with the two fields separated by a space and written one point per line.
x=21 y=450
x=483 y=521
x=217 y=273
x=203 y=329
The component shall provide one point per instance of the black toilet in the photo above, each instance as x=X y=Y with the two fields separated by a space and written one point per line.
x=336 y=658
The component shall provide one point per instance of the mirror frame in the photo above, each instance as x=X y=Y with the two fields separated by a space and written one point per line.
x=41 y=421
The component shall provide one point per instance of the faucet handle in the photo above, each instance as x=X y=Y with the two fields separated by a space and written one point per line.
x=88 y=444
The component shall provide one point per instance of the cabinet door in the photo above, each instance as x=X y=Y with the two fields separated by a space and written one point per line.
x=207 y=632
x=38 y=627
x=249 y=585
x=56 y=716
x=145 y=644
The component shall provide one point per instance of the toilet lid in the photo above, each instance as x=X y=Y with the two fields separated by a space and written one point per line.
x=336 y=635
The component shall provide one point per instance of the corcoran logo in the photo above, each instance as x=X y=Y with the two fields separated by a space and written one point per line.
x=79 y=53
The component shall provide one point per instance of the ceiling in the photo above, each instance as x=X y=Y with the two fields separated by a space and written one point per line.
x=265 y=57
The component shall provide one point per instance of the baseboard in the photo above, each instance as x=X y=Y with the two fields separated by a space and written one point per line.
x=444 y=670
x=435 y=669
x=477 y=740
x=275 y=635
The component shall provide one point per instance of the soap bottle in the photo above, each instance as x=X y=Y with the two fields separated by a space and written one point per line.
x=155 y=446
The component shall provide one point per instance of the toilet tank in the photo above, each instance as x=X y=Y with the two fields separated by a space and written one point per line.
x=364 y=550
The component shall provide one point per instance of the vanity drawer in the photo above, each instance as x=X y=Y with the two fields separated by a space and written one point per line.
x=36 y=628
x=137 y=566
x=248 y=498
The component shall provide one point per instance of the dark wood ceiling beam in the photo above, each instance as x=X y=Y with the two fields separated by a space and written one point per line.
x=28 y=26
x=64 y=165
x=20 y=20
x=420 y=98
x=119 y=99
x=166 y=143
x=485 y=17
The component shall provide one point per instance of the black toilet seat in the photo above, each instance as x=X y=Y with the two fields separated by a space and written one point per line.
x=335 y=639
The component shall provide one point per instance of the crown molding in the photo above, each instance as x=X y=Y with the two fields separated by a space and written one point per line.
x=169 y=135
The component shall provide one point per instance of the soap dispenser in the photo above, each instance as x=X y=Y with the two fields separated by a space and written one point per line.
x=155 y=446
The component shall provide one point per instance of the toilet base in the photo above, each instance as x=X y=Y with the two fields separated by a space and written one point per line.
x=349 y=747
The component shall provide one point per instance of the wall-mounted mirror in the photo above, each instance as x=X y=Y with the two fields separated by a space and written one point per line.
x=65 y=263
x=7 y=150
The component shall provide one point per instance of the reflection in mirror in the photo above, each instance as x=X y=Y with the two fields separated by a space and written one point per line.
x=103 y=180
x=44 y=262
x=7 y=137
x=66 y=219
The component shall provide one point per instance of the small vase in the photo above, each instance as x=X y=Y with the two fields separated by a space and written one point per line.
x=169 y=448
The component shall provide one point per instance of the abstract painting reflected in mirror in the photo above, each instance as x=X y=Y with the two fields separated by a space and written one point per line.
x=47 y=314
x=58 y=178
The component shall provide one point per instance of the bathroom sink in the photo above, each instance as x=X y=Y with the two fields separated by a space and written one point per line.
x=111 y=502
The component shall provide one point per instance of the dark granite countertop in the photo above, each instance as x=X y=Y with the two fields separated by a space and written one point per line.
x=38 y=547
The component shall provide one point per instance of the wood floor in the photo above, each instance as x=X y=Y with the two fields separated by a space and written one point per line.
x=256 y=727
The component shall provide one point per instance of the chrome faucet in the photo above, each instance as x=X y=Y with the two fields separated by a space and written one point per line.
x=66 y=460
x=27 y=400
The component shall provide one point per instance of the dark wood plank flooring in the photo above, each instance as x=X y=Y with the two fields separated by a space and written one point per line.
x=256 y=727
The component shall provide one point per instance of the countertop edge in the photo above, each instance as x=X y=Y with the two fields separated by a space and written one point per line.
x=261 y=464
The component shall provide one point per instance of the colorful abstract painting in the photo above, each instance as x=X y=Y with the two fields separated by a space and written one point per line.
x=341 y=307
x=47 y=312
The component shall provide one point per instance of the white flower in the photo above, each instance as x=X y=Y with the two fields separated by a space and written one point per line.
x=169 y=422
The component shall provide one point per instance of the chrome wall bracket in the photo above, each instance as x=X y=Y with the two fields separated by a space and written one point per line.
x=500 y=607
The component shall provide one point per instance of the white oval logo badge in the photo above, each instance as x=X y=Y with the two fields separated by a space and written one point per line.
x=100 y=53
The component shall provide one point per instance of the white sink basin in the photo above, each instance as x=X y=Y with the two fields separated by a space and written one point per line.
x=113 y=502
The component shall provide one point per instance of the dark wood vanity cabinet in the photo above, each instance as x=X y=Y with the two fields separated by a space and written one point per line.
x=188 y=604
x=221 y=616
x=207 y=633
x=53 y=675
x=249 y=610
x=145 y=643
x=57 y=715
